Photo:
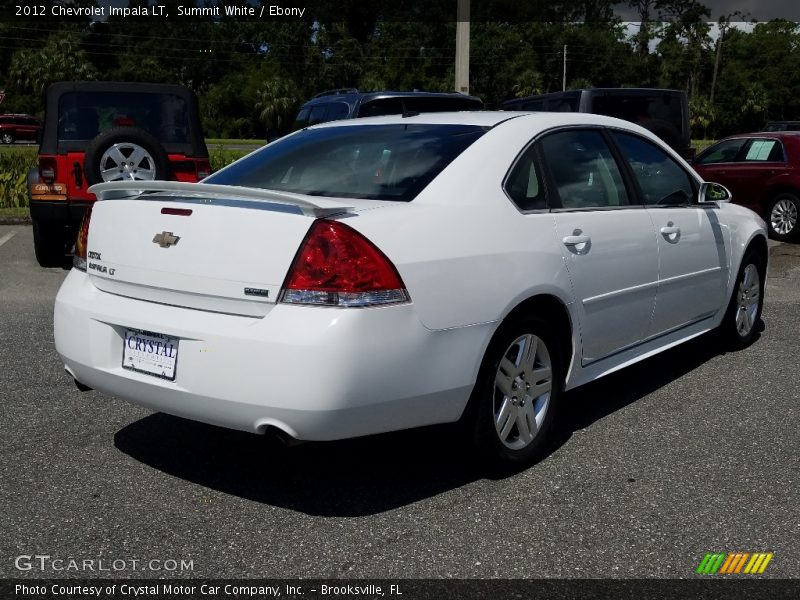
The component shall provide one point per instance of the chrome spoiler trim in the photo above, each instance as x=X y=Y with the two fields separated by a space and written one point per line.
x=308 y=205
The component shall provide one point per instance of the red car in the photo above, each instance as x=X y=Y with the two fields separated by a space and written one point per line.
x=19 y=127
x=762 y=171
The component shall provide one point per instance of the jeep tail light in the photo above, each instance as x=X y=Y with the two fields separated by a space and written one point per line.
x=47 y=170
x=337 y=266
x=81 y=250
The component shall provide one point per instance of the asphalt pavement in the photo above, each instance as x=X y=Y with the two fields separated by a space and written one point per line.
x=690 y=452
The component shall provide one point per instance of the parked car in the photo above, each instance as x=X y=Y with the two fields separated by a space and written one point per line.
x=19 y=127
x=782 y=126
x=664 y=112
x=349 y=103
x=107 y=131
x=378 y=274
x=762 y=171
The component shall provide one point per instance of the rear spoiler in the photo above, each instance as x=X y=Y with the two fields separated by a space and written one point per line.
x=309 y=205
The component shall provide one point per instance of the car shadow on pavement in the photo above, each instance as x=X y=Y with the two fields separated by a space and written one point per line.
x=378 y=473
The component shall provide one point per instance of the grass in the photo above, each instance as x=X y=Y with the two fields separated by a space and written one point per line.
x=15 y=211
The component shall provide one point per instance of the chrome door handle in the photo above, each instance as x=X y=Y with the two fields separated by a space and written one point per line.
x=670 y=230
x=576 y=240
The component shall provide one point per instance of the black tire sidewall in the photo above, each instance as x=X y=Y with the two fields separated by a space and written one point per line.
x=485 y=437
x=98 y=146
x=49 y=243
x=794 y=233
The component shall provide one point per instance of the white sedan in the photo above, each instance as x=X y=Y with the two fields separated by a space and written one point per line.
x=378 y=274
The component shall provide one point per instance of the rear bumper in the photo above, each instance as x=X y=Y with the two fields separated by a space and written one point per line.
x=315 y=373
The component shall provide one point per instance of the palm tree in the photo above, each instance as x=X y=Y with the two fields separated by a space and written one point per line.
x=277 y=100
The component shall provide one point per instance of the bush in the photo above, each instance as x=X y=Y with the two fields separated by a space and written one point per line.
x=14 y=165
x=220 y=157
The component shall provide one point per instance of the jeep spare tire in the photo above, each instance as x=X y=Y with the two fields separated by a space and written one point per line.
x=125 y=154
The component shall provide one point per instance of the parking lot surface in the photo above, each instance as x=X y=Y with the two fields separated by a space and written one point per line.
x=690 y=452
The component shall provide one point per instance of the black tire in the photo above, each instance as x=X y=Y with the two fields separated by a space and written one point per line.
x=485 y=408
x=123 y=136
x=667 y=133
x=783 y=217
x=731 y=329
x=7 y=137
x=49 y=243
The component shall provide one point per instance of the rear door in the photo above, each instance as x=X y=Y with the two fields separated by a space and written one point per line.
x=607 y=241
x=692 y=243
x=719 y=162
x=761 y=159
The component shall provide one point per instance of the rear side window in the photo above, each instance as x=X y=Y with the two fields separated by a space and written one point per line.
x=524 y=183
x=641 y=108
x=583 y=170
x=455 y=102
x=759 y=150
x=383 y=162
x=380 y=107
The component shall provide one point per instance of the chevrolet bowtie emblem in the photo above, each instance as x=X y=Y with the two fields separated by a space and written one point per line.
x=165 y=239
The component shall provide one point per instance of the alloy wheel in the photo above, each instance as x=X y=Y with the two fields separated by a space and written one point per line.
x=127 y=161
x=748 y=298
x=522 y=388
x=783 y=216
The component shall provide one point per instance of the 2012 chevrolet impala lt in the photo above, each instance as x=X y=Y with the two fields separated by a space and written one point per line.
x=377 y=274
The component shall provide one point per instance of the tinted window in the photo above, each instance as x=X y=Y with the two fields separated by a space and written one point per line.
x=724 y=152
x=380 y=107
x=385 y=162
x=524 y=183
x=82 y=115
x=583 y=169
x=455 y=102
x=318 y=114
x=301 y=120
x=337 y=110
x=662 y=180
x=641 y=108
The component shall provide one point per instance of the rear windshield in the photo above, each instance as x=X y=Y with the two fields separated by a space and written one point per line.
x=83 y=115
x=381 y=162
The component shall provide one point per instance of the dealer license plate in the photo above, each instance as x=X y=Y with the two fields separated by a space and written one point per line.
x=151 y=353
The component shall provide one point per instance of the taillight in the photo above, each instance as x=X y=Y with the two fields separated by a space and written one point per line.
x=47 y=170
x=81 y=249
x=337 y=266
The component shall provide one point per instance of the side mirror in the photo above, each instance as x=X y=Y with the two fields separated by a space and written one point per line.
x=711 y=193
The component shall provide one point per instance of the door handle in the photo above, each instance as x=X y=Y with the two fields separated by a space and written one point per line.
x=576 y=240
x=671 y=233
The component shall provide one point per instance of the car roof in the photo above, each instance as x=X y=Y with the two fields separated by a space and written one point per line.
x=764 y=134
x=485 y=118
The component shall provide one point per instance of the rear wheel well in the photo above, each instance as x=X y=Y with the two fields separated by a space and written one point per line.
x=552 y=308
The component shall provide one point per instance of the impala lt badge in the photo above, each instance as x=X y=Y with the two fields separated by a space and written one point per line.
x=165 y=239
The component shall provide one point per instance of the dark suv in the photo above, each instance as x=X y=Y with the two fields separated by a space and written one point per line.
x=19 y=127
x=664 y=112
x=104 y=131
x=350 y=103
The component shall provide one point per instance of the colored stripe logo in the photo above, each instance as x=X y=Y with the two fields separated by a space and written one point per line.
x=733 y=563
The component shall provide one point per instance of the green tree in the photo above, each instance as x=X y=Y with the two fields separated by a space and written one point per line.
x=277 y=103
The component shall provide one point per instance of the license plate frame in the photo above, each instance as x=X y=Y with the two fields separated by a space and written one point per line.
x=147 y=357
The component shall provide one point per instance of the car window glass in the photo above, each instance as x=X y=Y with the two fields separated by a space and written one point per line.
x=724 y=152
x=764 y=150
x=318 y=114
x=338 y=110
x=662 y=180
x=380 y=107
x=382 y=162
x=583 y=169
x=83 y=115
x=301 y=120
x=523 y=184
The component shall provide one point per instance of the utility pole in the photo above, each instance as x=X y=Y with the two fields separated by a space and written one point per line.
x=564 y=76
x=462 y=47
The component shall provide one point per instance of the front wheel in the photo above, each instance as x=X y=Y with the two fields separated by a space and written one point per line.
x=740 y=324
x=782 y=217
x=516 y=393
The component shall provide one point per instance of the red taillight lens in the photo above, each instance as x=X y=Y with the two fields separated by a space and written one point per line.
x=81 y=244
x=47 y=170
x=337 y=266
